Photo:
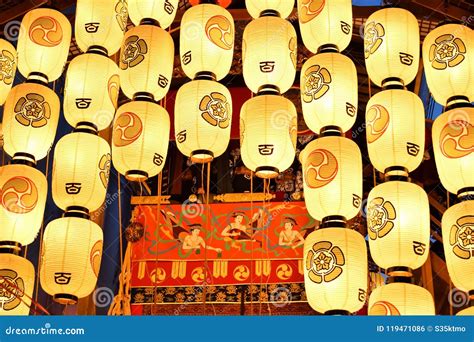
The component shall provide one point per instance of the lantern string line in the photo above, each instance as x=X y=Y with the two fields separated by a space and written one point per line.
x=209 y=226
x=7 y=284
x=157 y=236
x=251 y=250
x=40 y=248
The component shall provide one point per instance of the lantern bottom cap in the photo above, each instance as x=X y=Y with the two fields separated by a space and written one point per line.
x=399 y=271
x=202 y=156
x=337 y=313
x=266 y=172
x=136 y=175
x=65 y=299
x=10 y=247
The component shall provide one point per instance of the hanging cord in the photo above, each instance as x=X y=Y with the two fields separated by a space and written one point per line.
x=40 y=249
x=157 y=234
x=252 y=259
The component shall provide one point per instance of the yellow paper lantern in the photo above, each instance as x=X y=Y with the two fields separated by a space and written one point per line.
x=329 y=91
x=268 y=131
x=146 y=61
x=100 y=23
x=43 y=44
x=335 y=271
x=392 y=46
x=162 y=11
x=206 y=40
x=453 y=146
x=281 y=8
x=202 y=119
x=70 y=258
x=458 y=242
x=395 y=128
x=91 y=91
x=325 y=23
x=401 y=299
x=398 y=224
x=81 y=170
x=332 y=177
x=23 y=191
x=140 y=139
x=17 y=281
x=269 y=52
x=466 y=312
x=8 y=60
x=448 y=63
x=30 y=119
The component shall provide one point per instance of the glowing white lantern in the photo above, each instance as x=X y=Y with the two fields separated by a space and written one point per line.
x=23 y=191
x=466 y=312
x=70 y=259
x=283 y=8
x=162 y=11
x=268 y=131
x=453 y=146
x=206 y=40
x=202 y=119
x=91 y=91
x=17 y=281
x=325 y=23
x=329 y=91
x=43 y=44
x=140 y=139
x=449 y=63
x=269 y=52
x=8 y=60
x=392 y=46
x=398 y=299
x=146 y=61
x=100 y=23
x=30 y=119
x=398 y=224
x=335 y=272
x=458 y=242
x=395 y=128
x=332 y=177
x=81 y=170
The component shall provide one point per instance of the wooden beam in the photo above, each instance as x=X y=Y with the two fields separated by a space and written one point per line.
x=438 y=7
x=19 y=10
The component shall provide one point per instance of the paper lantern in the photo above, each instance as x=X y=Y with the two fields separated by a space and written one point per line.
x=30 y=119
x=282 y=8
x=398 y=224
x=397 y=299
x=269 y=52
x=395 y=129
x=268 y=131
x=17 y=281
x=81 y=171
x=335 y=271
x=162 y=11
x=43 y=44
x=23 y=191
x=140 y=139
x=100 y=24
x=202 y=119
x=453 y=146
x=8 y=60
x=392 y=46
x=206 y=41
x=458 y=242
x=449 y=63
x=70 y=258
x=332 y=177
x=146 y=61
x=325 y=22
x=91 y=91
x=466 y=312
x=329 y=91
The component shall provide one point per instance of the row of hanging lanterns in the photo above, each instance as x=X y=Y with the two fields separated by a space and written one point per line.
x=449 y=68
x=398 y=218
x=335 y=257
